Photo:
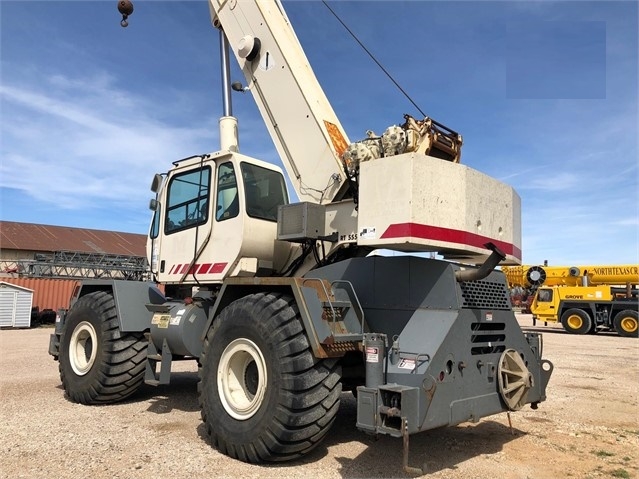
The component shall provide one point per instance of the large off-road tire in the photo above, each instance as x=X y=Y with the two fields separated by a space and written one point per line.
x=98 y=363
x=626 y=323
x=264 y=395
x=576 y=321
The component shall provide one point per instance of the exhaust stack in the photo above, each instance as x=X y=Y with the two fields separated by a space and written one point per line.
x=229 y=139
x=496 y=257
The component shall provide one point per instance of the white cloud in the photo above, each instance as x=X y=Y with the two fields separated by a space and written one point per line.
x=82 y=147
x=74 y=142
x=576 y=230
x=630 y=221
x=562 y=181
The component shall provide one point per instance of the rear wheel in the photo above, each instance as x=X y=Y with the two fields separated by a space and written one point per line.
x=576 y=321
x=98 y=363
x=264 y=395
x=626 y=323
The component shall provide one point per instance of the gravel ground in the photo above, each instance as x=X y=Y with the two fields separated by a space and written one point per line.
x=588 y=427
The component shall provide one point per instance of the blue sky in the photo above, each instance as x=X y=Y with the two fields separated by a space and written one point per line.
x=544 y=93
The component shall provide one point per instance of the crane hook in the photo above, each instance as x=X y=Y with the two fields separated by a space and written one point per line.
x=125 y=7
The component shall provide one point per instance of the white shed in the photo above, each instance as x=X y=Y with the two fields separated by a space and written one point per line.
x=15 y=306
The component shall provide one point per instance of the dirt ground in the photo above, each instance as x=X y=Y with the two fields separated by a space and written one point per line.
x=588 y=427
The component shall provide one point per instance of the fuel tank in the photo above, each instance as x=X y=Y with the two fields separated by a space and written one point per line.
x=180 y=325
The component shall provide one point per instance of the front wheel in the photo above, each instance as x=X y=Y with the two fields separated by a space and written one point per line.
x=576 y=321
x=264 y=395
x=626 y=323
x=98 y=363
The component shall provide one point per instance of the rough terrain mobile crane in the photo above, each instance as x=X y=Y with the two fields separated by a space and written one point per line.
x=584 y=298
x=282 y=305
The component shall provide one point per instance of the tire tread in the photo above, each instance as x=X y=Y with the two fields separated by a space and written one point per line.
x=121 y=368
x=310 y=387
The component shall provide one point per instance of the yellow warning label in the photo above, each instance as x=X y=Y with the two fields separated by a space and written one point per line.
x=161 y=320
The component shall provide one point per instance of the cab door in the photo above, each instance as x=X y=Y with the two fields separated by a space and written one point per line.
x=182 y=221
x=544 y=305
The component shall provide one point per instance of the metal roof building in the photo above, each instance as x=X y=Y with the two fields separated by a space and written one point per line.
x=51 y=259
x=26 y=237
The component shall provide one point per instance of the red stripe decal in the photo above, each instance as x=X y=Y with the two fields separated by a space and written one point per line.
x=436 y=233
x=204 y=268
x=217 y=268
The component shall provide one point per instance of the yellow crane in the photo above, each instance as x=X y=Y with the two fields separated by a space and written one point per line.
x=585 y=299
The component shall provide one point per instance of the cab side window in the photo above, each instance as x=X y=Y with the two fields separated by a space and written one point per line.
x=228 y=205
x=265 y=191
x=188 y=200
x=155 y=225
x=544 y=295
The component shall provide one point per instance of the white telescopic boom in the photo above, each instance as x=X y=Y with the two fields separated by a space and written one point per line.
x=306 y=132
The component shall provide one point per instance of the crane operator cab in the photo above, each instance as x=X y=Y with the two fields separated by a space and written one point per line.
x=214 y=216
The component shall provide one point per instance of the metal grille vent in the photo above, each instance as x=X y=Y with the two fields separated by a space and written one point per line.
x=484 y=295
x=488 y=338
x=292 y=222
x=300 y=221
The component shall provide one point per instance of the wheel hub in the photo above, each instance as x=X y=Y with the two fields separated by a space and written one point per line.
x=242 y=378
x=83 y=348
x=251 y=378
x=629 y=325
x=575 y=322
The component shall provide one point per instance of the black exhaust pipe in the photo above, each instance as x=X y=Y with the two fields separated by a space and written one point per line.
x=496 y=257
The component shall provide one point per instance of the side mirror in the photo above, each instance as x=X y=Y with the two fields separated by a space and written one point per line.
x=156 y=183
x=154 y=205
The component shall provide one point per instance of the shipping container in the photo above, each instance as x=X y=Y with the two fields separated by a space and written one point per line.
x=48 y=293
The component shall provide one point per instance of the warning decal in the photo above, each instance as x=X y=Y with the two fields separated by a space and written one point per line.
x=372 y=355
